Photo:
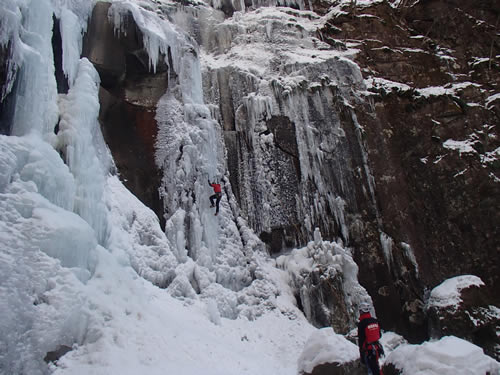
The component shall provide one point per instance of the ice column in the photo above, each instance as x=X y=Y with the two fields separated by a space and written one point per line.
x=79 y=136
x=37 y=112
x=36 y=92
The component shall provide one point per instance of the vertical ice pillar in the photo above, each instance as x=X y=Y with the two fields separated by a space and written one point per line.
x=80 y=136
x=36 y=91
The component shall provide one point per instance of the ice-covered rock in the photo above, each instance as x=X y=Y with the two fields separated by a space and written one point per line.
x=324 y=278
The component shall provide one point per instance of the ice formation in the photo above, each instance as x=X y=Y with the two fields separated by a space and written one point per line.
x=335 y=262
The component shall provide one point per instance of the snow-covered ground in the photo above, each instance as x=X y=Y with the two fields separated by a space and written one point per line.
x=81 y=259
x=143 y=330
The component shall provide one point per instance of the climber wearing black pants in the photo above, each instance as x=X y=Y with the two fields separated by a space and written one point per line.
x=217 y=196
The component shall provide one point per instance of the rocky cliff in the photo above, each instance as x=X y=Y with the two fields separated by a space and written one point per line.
x=396 y=156
x=432 y=72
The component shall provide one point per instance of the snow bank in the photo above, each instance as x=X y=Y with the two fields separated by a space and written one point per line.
x=325 y=346
x=448 y=356
x=448 y=292
x=136 y=237
x=47 y=254
x=391 y=341
x=143 y=330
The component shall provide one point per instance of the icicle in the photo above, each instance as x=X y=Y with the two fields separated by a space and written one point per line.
x=159 y=36
x=369 y=176
x=410 y=255
x=387 y=243
x=175 y=232
x=258 y=107
x=338 y=206
x=72 y=31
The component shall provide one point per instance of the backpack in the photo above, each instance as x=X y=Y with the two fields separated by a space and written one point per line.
x=372 y=333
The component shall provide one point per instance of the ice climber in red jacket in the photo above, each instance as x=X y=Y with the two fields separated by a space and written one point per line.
x=370 y=348
x=217 y=196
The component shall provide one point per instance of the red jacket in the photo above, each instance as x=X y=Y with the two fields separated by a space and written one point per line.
x=368 y=331
x=217 y=188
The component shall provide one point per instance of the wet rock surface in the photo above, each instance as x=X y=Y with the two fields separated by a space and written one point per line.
x=328 y=308
x=4 y=59
x=6 y=100
x=130 y=90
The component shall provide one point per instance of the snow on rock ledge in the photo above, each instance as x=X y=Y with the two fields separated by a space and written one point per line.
x=447 y=294
x=461 y=307
x=450 y=355
x=326 y=350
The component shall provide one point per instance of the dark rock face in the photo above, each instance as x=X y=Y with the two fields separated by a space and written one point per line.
x=475 y=320
x=388 y=182
x=436 y=202
x=285 y=164
x=55 y=355
x=261 y=158
x=62 y=81
x=390 y=369
x=4 y=61
x=128 y=96
x=264 y=159
x=350 y=368
x=6 y=100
